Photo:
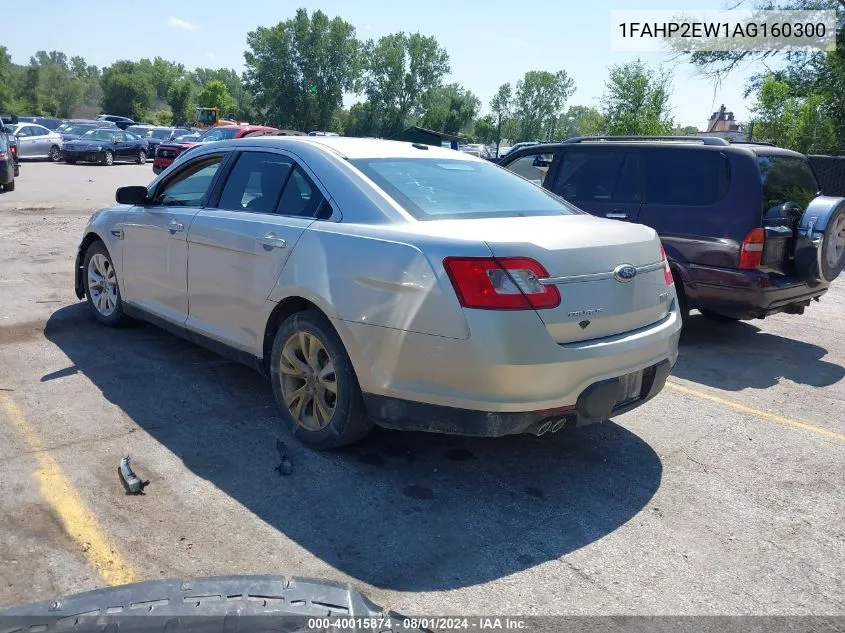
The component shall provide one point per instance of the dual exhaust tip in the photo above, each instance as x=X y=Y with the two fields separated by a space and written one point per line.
x=552 y=425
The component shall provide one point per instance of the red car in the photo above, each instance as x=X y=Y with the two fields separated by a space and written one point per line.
x=168 y=152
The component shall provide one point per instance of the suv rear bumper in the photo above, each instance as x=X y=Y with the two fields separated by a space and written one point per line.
x=747 y=294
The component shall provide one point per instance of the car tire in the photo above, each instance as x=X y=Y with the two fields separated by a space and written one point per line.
x=9 y=186
x=297 y=365
x=102 y=290
x=55 y=154
x=142 y=157
x=108 y=158
x=715 y=316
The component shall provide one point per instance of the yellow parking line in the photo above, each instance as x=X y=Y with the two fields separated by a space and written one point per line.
x=78 y=520
x=773 y=417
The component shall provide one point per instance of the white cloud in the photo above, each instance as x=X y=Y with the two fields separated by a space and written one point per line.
x=182 y=24
x=210 y=55
x=368 y=27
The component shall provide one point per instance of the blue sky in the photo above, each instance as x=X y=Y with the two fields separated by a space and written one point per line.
x=489 y=41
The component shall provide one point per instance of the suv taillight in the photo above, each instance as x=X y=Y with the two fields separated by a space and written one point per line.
x=13 y=149
x=667 y=272
x=504 y=283
x=751 y=250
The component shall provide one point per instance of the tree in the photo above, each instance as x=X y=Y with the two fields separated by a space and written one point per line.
x=299 y=69
x=126 y=90
x=580 y=120
x=636 y=100
x=485 y=130
x=162 y=117
x=685 y=130
x=215 y=95
x=502 y=105
x=8 y=101
x=540 y=97
x=164 y=74
x=180 y=98
x=449 y=109
x=402 y=69
x=362 y=120
x=244 y=105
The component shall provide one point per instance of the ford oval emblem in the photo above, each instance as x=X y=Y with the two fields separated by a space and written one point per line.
x=624 y=273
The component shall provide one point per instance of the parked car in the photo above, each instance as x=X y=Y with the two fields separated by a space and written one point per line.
x=106 y=146
x=5 y=124
x=154 y=134
x=7 y=166
x=120 y=121
x=75 y=128
x=746 y=234
x=413 y=286
x=168 y=152
x=51 y=123
x=36 y=141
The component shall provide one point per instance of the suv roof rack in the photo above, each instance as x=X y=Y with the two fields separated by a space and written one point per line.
x=704 y=140
x=753 y=143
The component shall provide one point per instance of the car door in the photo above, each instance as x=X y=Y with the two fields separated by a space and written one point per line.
x=237 y=250
x=123 y=145
x=40 y=137
x=155 y=246
x=602 y=182
x=27 y=142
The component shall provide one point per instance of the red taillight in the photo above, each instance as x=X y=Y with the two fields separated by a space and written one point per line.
x=751 y=251
x=504 y=283
x=13 y=149
x=4 y=156
x=667 y=272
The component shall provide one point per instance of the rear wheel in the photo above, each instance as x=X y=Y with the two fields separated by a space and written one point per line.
x=142 y=157
x=108 y=158
x=315 y=384
x=10 y=186
x=55 y=154
x=101 y=286
x=715 y=316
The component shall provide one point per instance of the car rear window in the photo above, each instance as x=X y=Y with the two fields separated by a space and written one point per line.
x=688 y=177
x=436 y=189
x=787 y=179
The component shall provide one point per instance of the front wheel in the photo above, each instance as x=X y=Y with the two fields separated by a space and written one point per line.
x=108 y=158
x=101 y=286
x=315 y=384
x=142 y=157
x=55 y=154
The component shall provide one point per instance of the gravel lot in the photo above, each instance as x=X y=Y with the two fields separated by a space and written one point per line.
x=721 y=496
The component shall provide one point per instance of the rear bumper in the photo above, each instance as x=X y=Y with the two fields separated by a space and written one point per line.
x=748 y=294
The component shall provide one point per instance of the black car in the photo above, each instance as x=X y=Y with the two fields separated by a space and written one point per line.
x=106 y=146
x=11 y=140
x=743 y=226
x=120 y=121
x=155 y=135
x=51 y=123
x=7 y=166
x=75 y=128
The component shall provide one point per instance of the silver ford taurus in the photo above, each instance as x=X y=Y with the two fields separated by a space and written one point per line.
x=388 y=283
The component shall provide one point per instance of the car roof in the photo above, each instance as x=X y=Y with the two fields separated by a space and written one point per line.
x=349 y=147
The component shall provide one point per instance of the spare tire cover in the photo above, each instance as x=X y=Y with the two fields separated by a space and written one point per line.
x=820 y=243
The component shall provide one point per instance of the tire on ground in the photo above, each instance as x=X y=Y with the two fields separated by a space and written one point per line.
x=349 y=422
x=117 y=317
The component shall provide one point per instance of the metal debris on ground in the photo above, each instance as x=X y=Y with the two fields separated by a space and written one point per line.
x=285 y=467
x=133 y=484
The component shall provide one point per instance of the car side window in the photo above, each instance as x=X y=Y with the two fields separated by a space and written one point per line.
x=255 y=182
x=533 y=167
x=590 y=176
x=24 y=132
x=34 y=130
x=688 y=177
x=189 y=186
x=300 y=197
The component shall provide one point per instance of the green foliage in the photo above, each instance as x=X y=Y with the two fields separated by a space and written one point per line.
x=580 y=120
x=127 y=91
x=636 y=100
x=502 y=106
x=361 y=120
x=8 y=99
x=685 y=130
x=162 y=117
x=485 y=130
x=540 y=97
x=180 y=98
x=401 y=70
x=799 y=123
x=244 y=106
x=285 y=60
x=216 y=95
x=449 y=109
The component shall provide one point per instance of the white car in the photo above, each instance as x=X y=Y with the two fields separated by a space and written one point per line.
x=36 y=141
x=392 y=283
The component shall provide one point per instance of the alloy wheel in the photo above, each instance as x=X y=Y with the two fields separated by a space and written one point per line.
x=102 y=284
x=308 y=381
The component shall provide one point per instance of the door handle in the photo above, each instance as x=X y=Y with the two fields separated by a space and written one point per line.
x=175 y=226
x=272 y=241
x=617 y=215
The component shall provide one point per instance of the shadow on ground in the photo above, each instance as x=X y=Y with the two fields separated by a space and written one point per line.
x=401 y=511
x=737 y=355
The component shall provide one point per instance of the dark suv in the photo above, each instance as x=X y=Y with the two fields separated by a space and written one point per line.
x=745 y=230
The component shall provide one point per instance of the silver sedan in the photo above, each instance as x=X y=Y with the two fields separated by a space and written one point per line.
x=36 y=141
x=378 y=282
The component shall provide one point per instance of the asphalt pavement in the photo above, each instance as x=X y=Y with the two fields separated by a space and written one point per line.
x=724 y=495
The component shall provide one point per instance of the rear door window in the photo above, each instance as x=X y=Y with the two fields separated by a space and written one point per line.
x=256 y=182
x=688 y=177
x=787 y=179
x=598 y=176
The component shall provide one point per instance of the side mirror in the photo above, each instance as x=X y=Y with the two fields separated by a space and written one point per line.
x=135 y=195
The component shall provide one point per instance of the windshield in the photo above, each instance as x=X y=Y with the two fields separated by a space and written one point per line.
x=143 y=132
x=75 y=128
x=787 y=179
x=162 y=134
x=99 y=135
x=434 y=189
x=218 y=134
